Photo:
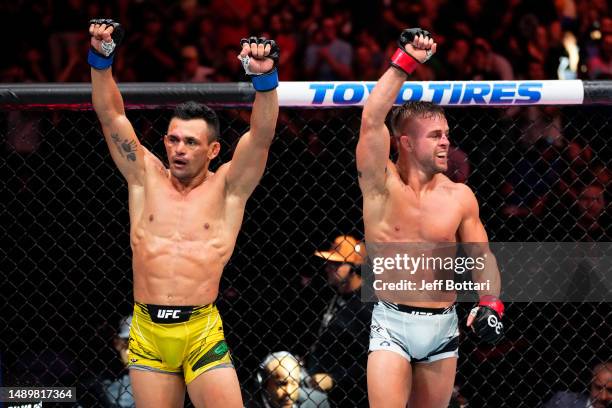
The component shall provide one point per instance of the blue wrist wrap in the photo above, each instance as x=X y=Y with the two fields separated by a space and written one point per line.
x=97 y=61
x=265 y=82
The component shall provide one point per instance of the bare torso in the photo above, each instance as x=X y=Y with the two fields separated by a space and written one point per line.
x=402 y=216
x=181 y=241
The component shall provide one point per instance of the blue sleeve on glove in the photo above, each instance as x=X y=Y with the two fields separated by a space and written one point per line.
x=265 y=82
x=97 y=61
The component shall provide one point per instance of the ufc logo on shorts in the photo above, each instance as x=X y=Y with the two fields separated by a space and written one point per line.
x=167 y=313
x=414 y=312
x=494 y=323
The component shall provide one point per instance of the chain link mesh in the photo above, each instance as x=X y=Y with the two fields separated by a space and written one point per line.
x=66 y=254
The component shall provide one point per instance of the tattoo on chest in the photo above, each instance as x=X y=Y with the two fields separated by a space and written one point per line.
x=126 y=147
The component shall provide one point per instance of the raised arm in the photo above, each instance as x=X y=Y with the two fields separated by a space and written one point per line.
x=415 y=46
x=259 y=58
x=125 y=149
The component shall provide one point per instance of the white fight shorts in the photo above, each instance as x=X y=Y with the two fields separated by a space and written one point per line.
x=421 y=335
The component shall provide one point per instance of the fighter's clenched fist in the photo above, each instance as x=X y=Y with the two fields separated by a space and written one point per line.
x=415 y=46
x=259 y=57
x=106 y=35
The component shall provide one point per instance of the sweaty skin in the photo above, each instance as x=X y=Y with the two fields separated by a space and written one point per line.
x=405 y=215
x=184 y=219
x=432 y=214
x=411 y=201
x=181 y=241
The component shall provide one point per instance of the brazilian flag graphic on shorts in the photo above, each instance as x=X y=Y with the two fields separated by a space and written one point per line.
x=215 y=353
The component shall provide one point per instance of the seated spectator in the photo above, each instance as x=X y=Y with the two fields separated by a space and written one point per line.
x=399 y=14
x=329 y=58
x=540 y=123
x=531 y=181
x=364 y=67
x=369 y=60
x=66 y=32
x=191 y=69
x=590 y=223
x=458 y=400
x=459 y=66
x=111 y=388
x=488 y=65
x=600 y=392
x=600 y=66
x=282 y=383
x=150 y=50
x=226 y=69
x=546 y=48
x=206 y=34
x=458 y=169
x=232 y=20
x=281 y=31
x=34 y=65
x=602 y=175
x=187 y=11
x=587 y=219
x=118 y=391
x=338 y=358
x=579 y=156
x=76 y=68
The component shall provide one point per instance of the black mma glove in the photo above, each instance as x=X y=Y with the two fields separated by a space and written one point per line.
x=401 y=58
x=487 y=319
x=104 y=58
x=266 y=81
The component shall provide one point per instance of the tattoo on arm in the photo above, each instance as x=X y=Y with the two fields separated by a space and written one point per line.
x=126 y=147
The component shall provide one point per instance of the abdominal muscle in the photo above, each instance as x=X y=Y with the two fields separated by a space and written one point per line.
x=410 y=225
x=179 y=267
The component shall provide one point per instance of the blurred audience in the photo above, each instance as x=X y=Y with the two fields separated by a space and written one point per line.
x=337 y=360
x=487 y=64
x=456 y=60
x=283 y=383
x=281 y=30
x=192 y=70
x=118 y=390
x=322 y=40
x=530 y=183
x=151 y=54
x=369 y=61
x=592 y=217
x=110 y=388
x=328 y=57
x=599 y=395
x=458 y=169
x=600 y=65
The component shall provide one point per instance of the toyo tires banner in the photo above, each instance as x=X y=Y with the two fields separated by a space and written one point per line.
x=450 y=93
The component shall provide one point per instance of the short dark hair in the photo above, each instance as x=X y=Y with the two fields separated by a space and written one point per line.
x=193 y=110
x=403 y=115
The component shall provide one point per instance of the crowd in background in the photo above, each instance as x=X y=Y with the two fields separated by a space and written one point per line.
x=197 y=40
x=555 y=168
x=540 y=172
x=556 y=165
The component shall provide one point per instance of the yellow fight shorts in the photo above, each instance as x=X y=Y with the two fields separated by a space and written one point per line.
x=186 y=340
